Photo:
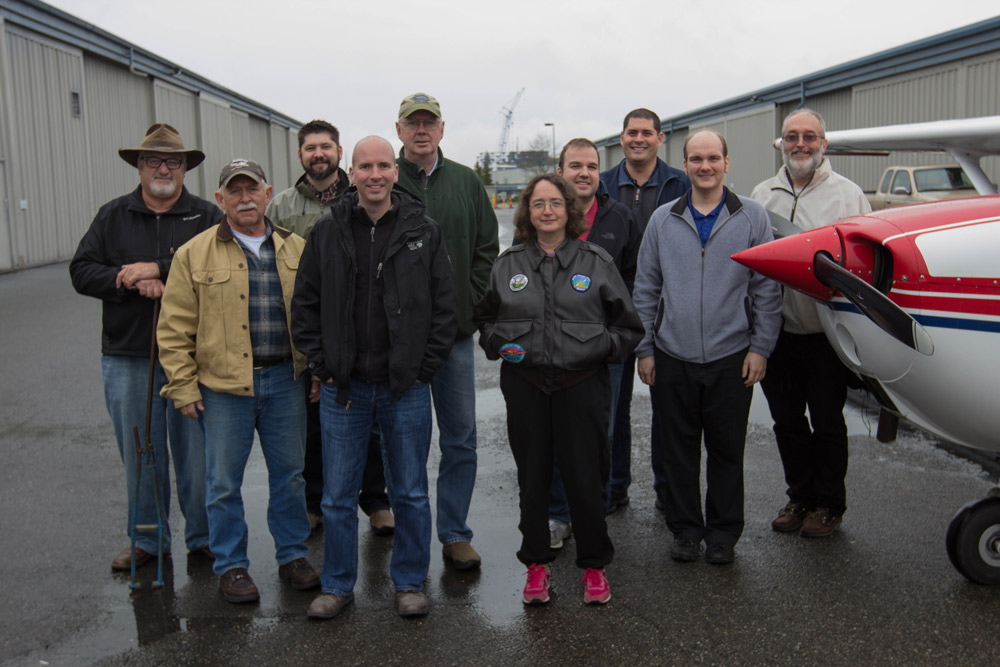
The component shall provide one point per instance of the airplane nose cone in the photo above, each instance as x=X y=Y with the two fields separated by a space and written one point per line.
x=790 y=260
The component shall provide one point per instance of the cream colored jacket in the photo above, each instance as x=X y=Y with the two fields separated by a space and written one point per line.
x=828 y=198
x=203 y=332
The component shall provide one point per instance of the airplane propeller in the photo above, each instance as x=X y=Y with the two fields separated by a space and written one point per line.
x=873 y=304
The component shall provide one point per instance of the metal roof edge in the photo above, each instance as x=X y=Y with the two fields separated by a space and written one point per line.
x=57 y=24
x=964 y=42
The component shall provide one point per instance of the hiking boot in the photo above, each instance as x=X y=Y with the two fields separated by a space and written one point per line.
x=300 y=574
x=461 y=555
x=328 y=605
x=685 y=551
x=411 y=603
x=536 y=589
x=559 y=531
x=595 y=587
x=820 y=523
x=237 y=586
x=123 y=561
x=790 y=518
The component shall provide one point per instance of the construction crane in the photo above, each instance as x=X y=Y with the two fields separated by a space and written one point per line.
x=508 y=120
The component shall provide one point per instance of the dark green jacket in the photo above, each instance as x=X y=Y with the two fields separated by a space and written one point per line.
x=297 y=208
x=456 y=199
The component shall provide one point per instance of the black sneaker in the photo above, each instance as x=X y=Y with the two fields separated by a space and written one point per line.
x=618 y=501
x=685 y=551
x=720 y=554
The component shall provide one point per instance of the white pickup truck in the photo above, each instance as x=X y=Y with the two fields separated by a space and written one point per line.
x=921 y=183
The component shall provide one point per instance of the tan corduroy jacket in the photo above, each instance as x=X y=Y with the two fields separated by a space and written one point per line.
x=203 y=331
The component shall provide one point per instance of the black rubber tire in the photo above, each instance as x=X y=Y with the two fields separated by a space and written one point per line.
x=977 y=542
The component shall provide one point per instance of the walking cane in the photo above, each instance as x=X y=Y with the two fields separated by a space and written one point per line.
x=146 y=458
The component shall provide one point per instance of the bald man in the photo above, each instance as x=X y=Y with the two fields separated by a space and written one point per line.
x=710 y=326
x=375 y=313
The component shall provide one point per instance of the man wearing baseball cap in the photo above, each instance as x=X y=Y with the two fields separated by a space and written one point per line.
x=457 y=201
x=226 y=349
x=123 y=260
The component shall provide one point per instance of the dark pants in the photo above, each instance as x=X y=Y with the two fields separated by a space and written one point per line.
x=373 y=496
x=571 y=427
x=621 y=441
x=804 y=371
x=691 y=400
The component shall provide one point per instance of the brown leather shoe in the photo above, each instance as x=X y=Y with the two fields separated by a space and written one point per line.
x=300 y=574
x=237 y=586
x=790 y=518
x=204 y=552
x=383 y=523
x=123 y=561
x=328 y=605
x=820 y=523
x=461 y=555
x=315 y=522
x=411 y=603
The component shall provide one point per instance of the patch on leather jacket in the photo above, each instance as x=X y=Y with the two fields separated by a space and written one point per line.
x=518 y=282
x=580 y=282
x=512 y=352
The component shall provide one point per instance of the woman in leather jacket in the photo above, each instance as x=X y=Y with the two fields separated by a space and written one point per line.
x=557 y=312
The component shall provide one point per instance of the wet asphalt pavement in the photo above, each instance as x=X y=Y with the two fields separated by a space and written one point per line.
x=880 y=590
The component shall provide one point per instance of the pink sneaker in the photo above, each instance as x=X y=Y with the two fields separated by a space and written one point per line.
x=536 y=590
x=595 y=587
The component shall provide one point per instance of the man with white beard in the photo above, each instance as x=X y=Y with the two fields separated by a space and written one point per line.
x=803 y=370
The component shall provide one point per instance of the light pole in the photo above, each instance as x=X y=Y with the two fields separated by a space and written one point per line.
x=554 y=159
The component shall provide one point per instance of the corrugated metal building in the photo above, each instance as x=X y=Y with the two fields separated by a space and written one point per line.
x=71 y=95
x=952 y=75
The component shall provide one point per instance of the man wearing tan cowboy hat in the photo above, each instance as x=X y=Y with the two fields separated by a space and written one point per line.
x=123 y=259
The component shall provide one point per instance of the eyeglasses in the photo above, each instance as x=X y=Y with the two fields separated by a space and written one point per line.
x=555 y=205
x=173 y=163
x=792 y=138
x=414 y=125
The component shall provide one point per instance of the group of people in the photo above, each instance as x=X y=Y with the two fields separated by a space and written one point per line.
x=330 y=318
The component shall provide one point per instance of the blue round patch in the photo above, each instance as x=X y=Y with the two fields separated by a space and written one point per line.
x=512 y=352
x=518 y=282
x=580 y=282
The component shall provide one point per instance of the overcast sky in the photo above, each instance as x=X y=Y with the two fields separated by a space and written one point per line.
x=583 y=64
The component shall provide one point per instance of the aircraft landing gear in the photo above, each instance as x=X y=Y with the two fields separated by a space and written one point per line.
x=973 y=540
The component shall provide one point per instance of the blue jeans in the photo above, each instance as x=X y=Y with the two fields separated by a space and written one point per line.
x=454 y=389
x=278 y=414
x=406 y=437
x=558 y=504
x=125 y=383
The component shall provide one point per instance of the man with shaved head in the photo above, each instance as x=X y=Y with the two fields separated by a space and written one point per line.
x=710 y=326
x=375 y=313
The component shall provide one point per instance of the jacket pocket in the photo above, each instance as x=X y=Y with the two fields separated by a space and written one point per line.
x=510 y=339
x=211 y=284
x=660 y=308
x=585 y=345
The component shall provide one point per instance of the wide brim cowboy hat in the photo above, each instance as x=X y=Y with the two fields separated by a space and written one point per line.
x=162 y=138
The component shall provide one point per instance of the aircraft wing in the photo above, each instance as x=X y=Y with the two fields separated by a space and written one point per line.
x=965 y=139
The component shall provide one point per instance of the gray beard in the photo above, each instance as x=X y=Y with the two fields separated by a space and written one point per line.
x=162 y=188
x=801 y=170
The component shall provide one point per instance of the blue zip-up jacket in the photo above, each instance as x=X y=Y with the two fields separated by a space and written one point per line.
x=697 y=304
x=673 y=183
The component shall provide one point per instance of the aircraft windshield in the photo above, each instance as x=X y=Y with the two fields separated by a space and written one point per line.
x=942 y=178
